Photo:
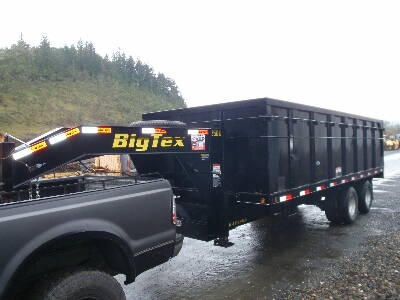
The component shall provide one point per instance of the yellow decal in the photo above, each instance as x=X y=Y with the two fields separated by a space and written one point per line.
x=143 y=143
x=120 y=140
x=216 y=132
x=237 y=222
x=166 y=142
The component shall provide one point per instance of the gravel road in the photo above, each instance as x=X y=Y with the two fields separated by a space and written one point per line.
x=301 y=257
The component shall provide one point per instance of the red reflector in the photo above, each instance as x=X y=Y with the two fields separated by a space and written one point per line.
x=103 y=129
x=38 y=146
x=288 y=197
x=72 y=132
x=307 y=191
x=174 y=218
x=160 y=131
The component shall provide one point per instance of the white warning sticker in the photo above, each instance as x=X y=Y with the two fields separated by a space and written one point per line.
x=198 y=142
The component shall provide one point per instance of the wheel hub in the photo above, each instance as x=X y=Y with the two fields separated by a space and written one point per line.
x=368 y=198
x=352 y=206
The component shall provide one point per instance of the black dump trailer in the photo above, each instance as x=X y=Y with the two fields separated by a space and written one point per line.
x=265 y=157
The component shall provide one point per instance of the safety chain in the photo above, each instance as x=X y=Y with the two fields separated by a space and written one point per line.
x=37 y=188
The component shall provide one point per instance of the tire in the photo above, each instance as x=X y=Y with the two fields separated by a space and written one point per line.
x=331 y=208
x=77 y=285
x=365 y=197
x=348 y=205
x=158 y=123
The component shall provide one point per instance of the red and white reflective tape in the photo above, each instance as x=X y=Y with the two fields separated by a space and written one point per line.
x=320 y=188
x=29 y=150
x=153 y=131
x=285 y=198
x=333 y=183
x=305 y=192
x=197 y=131
x=95 y=129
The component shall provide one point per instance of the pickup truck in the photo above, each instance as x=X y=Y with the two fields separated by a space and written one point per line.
x=71 y=246
x=66 y=238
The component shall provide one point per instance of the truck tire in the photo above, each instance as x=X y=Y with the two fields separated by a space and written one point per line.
x=158 y=123
x=348 y=205
x=365 y=197
x=331 y=208
x=79 y=284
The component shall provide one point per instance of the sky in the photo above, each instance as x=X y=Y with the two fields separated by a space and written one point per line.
x=342 y=55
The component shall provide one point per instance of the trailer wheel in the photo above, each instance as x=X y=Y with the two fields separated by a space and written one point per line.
x=331 y=208
x=79 y=284
x=365 y=197
x=158 y=123
x=348 y=205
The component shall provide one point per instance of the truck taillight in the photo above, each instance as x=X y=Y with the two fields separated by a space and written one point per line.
x=173 y=210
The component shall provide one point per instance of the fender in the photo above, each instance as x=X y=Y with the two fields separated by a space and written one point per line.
x=83 y=228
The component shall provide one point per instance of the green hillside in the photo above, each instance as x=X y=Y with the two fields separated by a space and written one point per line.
x=43 y=87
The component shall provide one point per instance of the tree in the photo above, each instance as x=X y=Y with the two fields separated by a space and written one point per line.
x=44 y=58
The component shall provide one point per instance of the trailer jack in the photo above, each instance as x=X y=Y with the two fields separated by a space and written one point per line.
x=223 y=241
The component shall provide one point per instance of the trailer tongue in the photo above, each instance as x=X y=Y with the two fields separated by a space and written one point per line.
x=49 y=152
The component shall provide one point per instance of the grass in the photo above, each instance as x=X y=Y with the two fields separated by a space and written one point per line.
x=28 y=108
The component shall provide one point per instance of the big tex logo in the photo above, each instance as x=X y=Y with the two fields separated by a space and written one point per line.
x=142 y=143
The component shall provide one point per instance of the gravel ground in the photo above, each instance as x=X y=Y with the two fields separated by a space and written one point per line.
x=371 y=273
x=300 y=257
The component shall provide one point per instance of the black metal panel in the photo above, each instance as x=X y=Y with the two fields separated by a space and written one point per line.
x=6 y=165
x=301 y=148
x=369 y=149
x=379 y=145
x=359 y=151
x=279 y=146
x=336 y=147
x=349 y=142
x=321 y=147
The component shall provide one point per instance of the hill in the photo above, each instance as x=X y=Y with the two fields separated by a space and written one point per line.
x=44 y=87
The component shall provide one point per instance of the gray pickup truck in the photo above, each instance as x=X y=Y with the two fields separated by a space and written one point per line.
x=71 y=246
x=66 y=238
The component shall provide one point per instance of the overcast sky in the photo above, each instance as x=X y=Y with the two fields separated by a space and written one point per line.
x=343 y=55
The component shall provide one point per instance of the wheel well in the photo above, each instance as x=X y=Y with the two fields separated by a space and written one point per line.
x=92 y=251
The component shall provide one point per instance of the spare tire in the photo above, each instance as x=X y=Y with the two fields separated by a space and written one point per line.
x=158 y=123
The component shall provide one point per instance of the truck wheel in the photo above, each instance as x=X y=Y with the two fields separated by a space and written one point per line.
x=365 y=197
x=331 y=208
x=79 y=285
x=158 y=123
x=348 y=205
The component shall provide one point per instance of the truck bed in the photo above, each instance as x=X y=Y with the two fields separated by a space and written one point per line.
x=120 y=211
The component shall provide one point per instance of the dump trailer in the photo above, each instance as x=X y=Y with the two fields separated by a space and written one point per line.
x=223 y=165
x=265 y=157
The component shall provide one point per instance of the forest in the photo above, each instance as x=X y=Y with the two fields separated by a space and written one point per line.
x=77 y=85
